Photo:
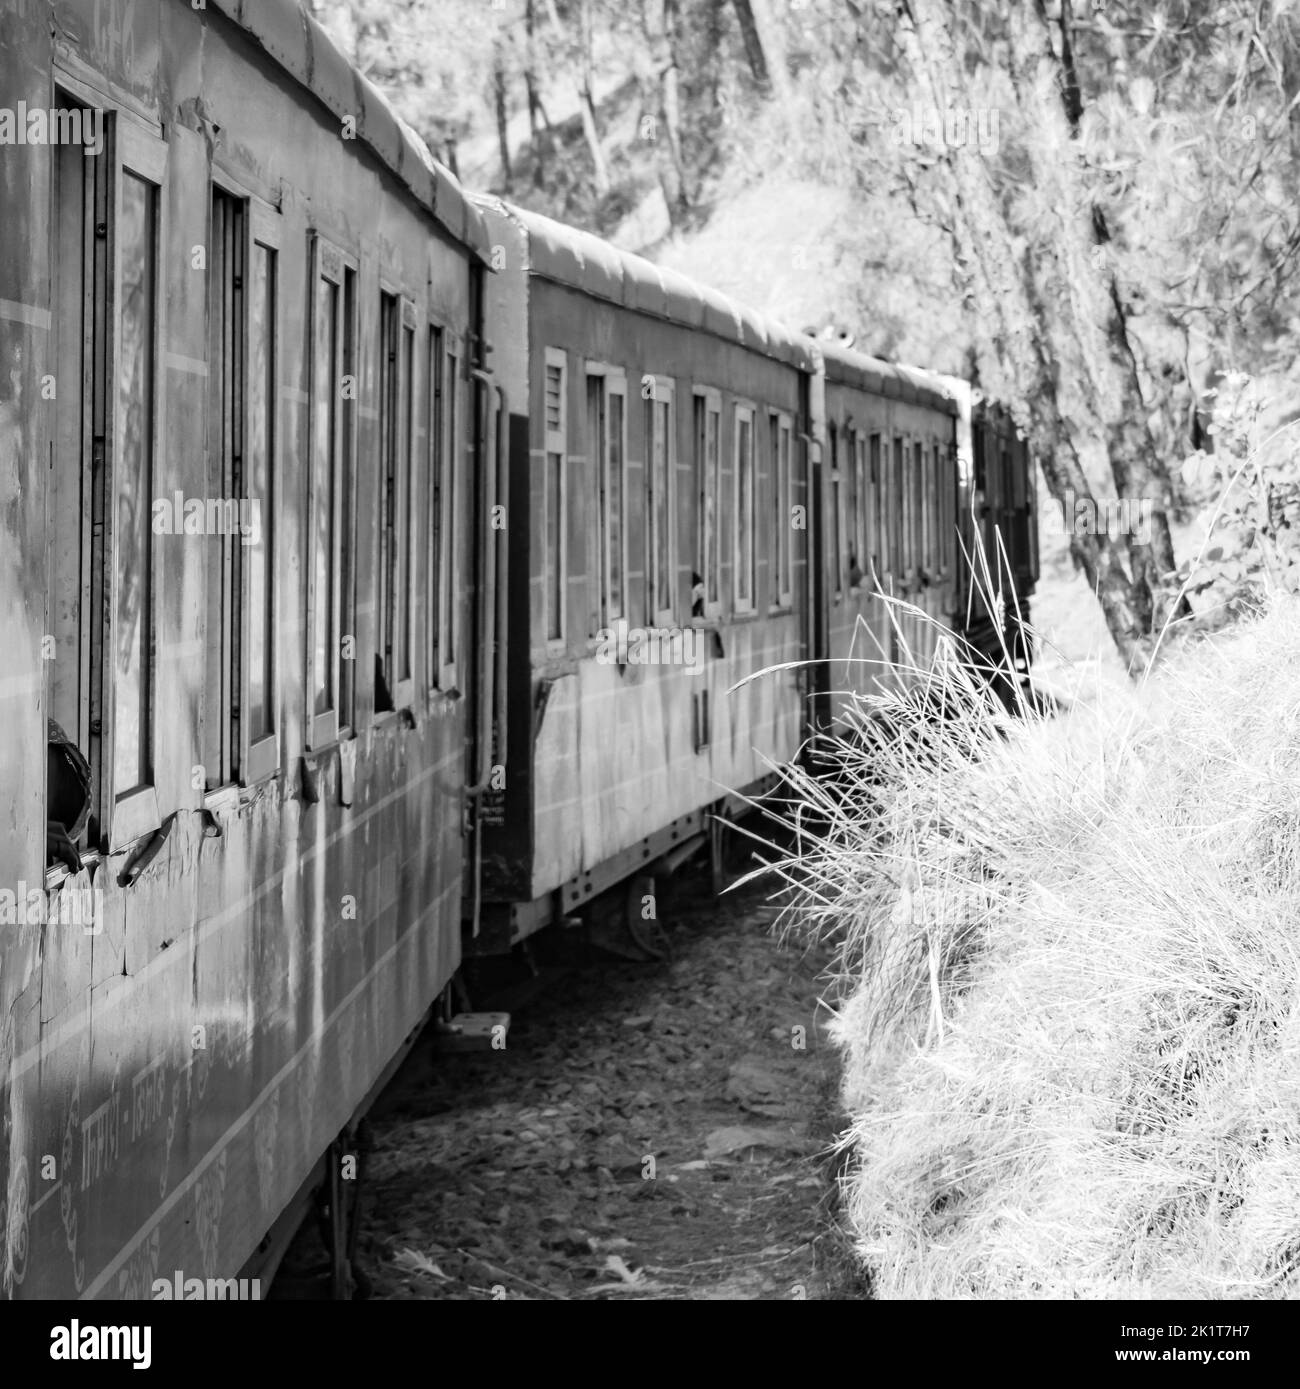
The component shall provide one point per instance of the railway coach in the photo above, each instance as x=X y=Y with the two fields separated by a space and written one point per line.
x=658 y=552
x=890 y=502
x=241 y=406
x=997 y=535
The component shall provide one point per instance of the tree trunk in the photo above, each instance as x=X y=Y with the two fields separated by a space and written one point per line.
x=1087 y=267
x=772 y=37
x=714 y=31
x=600 y=165
x=579 y=52
x=536 y=113
x=658 y=20
x=502 y=114
x=753 y=44
x=1011 y=318
x=1288 y=28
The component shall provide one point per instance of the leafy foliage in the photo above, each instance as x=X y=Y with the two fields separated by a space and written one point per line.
x=1249 y=493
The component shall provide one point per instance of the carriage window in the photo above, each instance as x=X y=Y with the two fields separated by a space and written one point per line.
x=330 y=577
x=612 y=497
x=258 y=549
x=606 y=398
x=434 y=464
x=1005 y=499
x=81 y=297
x=596 y=464
x=782 y=508
x=849 y=497
x=835 y=522
x=554 y=499
x=389 y=477
x=226 y=483
x=900 y=514
x=922 y=516
x=100 y=597
x=660 y=511
x=137 y=240
x=448 y=503
x=406 y=500
x=879 y=561
x=396 y=373
x=940 y=462
x=744 y=531
x=239 y=731
x=707 y=434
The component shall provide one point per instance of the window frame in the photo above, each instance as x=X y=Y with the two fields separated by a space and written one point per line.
x=555 y=587
x=329 y=261
x=862 y=503
x=134 y=812
x=226 y=602
x=262 y=754
x=921 y=450
x=613 y=383
x=743 y=607
x=707 y=401
x=944 y=469
x=903 y=511
x=664 y=392
x=259 y=755
x=433 y=457
x=781 y=426
x=451 y=501
x=616 y=385
x=835 y=487
x=878 y=518
x=408 y=334
x=395 y=605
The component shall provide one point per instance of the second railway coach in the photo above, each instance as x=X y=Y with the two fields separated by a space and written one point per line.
x=657 y=553
x=889 y=499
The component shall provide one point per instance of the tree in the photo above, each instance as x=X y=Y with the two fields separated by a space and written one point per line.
x=658 y=20
x=577 y=50
x=501 y=107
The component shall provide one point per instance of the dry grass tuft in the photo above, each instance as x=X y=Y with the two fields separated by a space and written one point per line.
x=1070 y=960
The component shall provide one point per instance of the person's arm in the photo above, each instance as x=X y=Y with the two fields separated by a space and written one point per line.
x=59 y=848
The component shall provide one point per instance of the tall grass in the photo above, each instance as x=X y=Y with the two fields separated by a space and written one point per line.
x=1069 y=957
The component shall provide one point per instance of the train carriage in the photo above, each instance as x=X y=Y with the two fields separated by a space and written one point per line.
x=238 y=326
x=658 y=552
x=998 y=536
x=889 y=498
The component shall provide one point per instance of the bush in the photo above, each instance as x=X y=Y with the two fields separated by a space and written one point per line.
x=1069 y=971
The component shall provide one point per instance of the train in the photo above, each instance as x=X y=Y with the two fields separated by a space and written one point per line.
x=387 y=572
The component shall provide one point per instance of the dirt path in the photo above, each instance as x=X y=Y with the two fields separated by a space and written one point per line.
x=650 y=1131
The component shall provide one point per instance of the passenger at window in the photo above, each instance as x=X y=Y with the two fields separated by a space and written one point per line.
x=67 y=782
x=697 y=595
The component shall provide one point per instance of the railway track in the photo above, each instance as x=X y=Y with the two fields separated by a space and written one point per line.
x=650 y=1131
